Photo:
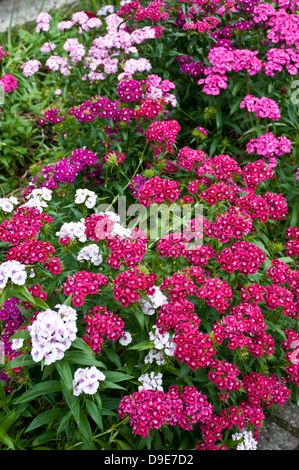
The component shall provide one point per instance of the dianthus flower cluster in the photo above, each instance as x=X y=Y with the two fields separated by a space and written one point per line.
x=291 y=344
x=178 y=286
x=25 y=223
x=246 y=440
x=188 y=158
x=163 y=345
x=163 y=133
x=30 y=67
x=278 y=59
x=188 y=65
x=256 y=206
x=82 y=284
x=131 y=284
x=278 y=208
x=104 y=226
x=262 y=107
x=222 y=167
x=230 y=225
x=35 y=251
x=52 y=333
x=87 y=380
x=151 y=409
x=292 y=245
x=3 y=54
x=269 y=146
x=35 y=291
x=43 y=22
x=277 y=296
x=72 y=231
x=224 y=375
x=242 y=255
x=7 y=203
x=129 y=90
x=85 y=196
x=244 y=328
x=150 y=381
x=216 y=293
x=193 y=347
x=52 y=116
x=56 y=63
x=90 y=253
x=157 y=190
x=101 y=324
x=279 y=272
x=256 y=172
x=8 y=83
x=219 y=192
x=157 y=299
x=129 y=251
x=268 y=390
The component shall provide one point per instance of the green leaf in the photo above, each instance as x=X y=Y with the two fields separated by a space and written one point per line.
x=94 y=413
x=45 y=418
x=143 y=345
x=117 y=376
x=65 y=373
x=43 y=388
x=6 y=439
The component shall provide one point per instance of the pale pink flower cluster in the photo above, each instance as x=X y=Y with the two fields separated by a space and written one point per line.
x=262 y=107
x=48 y=47
x=75 y=49
x=30 y=67
x=56 y=63
x=284 y=27
x=43 y=22
x=278 y=59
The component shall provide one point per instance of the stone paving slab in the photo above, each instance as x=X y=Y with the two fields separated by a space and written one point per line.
x=274 y=437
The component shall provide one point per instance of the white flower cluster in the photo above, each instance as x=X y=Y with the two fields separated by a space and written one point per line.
x=163 y=345
x=16 y=343
x=105 y=10
x=248 y=442
x=87 y=197
x=90 y=253
x=125 y=339
x=7 y=203
x=13 y=270
x=87 y=380
x=73 y=230
x=158 y=299
x=151 y=381
x=38 y=197
x=52 y=333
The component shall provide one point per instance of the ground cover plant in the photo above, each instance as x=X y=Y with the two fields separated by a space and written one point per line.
x=122 y=329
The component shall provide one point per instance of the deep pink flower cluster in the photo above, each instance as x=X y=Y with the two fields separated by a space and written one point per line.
x=253 y=293
x=125 y=251
x=256 y=172
x=100 y=107
x=66 y=170
x=230 y=224
x=243 y=415
x=151 y=409
x=224 y=375
x=268 y=145
x=101 y=323
x=242 y=255
x=277 y=296
x=284 y=28
x=268 y=390
x=291 y=344
x=53 y=116
x=9 y=83
x=163 y=133
x=188 y=65
x=157 y=190
x=255 y=206
x=13 y=319
x=82 y=284
x=278 y=208
x=219 y=192
x=188 y=158
x=131 y=284
x=244 y=327
x=292 y=246
x=222 y=167
x=129 y=90
x=262 y=107
x=217 y=293
x=3 y=54
x=193 y=347
x=99 y=227
x=279 y=273
x=147 y=108
x=25 y=223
